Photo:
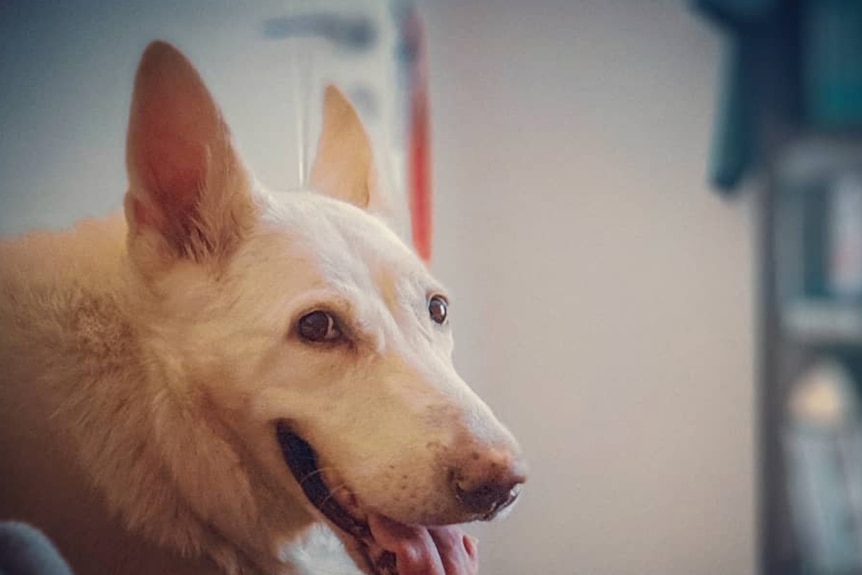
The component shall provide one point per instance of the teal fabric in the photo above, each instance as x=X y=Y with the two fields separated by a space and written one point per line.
x=734 y=142
x=736 y=12
x=823 y=40
x=832 y=63
x=734 y=136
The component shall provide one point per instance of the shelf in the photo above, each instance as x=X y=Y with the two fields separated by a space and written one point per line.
x=825 y=322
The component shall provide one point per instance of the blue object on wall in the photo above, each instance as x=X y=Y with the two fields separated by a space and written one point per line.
x=820 y=41
x=832 y=63
x=734 y=143
x=734 y=13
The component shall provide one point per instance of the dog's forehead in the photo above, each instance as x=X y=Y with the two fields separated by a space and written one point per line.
x=335 y=242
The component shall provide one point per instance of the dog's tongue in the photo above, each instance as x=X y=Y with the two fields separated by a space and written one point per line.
x=414 y=549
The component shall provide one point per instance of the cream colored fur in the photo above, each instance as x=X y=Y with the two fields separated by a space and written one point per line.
x=144 y=365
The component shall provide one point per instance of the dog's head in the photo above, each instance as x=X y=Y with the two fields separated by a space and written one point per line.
x=314 y=345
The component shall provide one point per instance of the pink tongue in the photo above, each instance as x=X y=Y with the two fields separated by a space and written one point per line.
x=414 y=549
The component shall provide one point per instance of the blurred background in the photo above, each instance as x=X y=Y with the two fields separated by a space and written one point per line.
x=605 y=295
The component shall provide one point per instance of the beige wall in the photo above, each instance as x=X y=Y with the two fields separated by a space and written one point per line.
x=603 y=294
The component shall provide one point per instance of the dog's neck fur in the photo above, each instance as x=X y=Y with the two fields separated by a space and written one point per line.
x=141 y=475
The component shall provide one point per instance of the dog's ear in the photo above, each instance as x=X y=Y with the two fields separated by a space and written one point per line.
x=344 y=166
x=189 y=193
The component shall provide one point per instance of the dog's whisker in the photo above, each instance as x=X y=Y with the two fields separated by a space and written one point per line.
x=318 y=471
x=332 y=492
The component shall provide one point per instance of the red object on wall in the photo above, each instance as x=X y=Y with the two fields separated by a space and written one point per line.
x=419 y=166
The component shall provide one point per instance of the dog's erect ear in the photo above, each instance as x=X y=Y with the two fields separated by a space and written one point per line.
x=189 y=193
x=344 y=166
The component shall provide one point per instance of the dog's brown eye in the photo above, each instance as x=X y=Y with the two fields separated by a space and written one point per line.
x=318 y=326
x=438 y=309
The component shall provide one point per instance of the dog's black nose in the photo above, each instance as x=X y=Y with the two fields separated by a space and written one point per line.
x=489 y=483
x=489 y=499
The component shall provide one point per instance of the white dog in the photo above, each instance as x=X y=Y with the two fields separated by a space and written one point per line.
x=220 y=381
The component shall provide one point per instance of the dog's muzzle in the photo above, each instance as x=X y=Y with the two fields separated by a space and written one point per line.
x=483 y=486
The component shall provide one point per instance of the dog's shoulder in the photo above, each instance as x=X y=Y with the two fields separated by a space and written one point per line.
x=61 y=291
x=40 y=256
x=70 y=375
x=61 y=310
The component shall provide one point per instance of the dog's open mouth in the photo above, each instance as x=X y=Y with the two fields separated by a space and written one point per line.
x=380 y=540
x=302 y=461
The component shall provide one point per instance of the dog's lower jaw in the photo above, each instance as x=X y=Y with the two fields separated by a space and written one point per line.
x=367 y=556
x=354 y=533
x=375 y=542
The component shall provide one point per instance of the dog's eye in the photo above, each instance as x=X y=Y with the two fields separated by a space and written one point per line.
x=438 y=309
x=318 y=326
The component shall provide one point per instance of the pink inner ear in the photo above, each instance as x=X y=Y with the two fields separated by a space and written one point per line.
x=173 y=128
x=171 y=170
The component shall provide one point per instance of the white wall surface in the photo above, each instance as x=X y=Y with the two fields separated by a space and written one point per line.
x=603 y=295
x=605 y=304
